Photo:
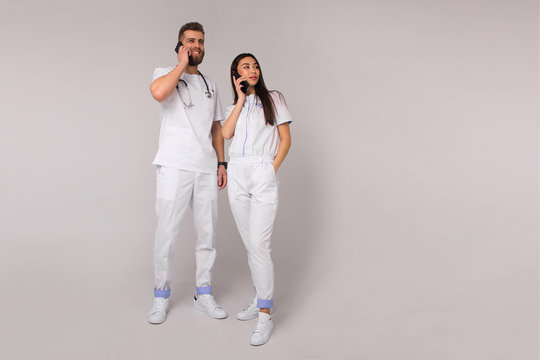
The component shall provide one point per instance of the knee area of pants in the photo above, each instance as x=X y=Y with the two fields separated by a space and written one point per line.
x=260 y=250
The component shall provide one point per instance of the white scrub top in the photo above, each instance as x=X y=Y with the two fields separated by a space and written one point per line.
x=252 y=136
x=185 y=139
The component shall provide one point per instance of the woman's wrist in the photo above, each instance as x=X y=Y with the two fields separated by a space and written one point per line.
x=241 y=99
x=239 y=105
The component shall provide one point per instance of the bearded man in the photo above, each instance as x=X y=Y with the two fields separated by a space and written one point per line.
x=190 y=168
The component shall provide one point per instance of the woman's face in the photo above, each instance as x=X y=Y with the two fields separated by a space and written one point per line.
x=249 y=68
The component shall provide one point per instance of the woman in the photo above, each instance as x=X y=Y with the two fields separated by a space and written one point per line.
x=259 y=122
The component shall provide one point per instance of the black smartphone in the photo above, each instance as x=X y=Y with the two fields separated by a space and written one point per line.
x=244 y=83
x=177 y=47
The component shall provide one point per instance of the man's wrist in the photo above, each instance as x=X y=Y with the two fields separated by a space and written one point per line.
x=181 y=66
x=224 y=163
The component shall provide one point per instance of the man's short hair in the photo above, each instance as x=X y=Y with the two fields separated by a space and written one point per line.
x=195 y=26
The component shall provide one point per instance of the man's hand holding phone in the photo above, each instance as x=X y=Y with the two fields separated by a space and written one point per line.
x=183 y=54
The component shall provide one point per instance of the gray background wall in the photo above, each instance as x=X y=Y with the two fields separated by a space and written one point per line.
x=408 y=221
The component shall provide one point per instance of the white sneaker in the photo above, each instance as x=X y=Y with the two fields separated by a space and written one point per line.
x=251 y=311
x=158 y=313
x=207 y=304
x=263 y=330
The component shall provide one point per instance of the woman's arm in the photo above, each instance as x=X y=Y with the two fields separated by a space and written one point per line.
x=284 y=145
x=227 y=129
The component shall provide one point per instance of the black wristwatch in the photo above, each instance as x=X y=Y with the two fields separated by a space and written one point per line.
x=224 y=163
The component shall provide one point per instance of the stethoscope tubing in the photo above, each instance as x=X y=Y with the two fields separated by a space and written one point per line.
x=207 y=92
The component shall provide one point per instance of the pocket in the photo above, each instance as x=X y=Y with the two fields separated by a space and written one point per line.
x=269 y=177
x=274 y=175
x=266 y=188
x=272 y=170
x=166 y=183
x=178 y=142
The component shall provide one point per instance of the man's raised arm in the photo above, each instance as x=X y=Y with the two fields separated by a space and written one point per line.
x=162 y=87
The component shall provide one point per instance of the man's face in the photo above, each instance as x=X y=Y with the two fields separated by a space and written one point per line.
x=194 y=41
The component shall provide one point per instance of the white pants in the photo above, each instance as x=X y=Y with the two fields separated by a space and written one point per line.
x=253 y=196
x=176 y=190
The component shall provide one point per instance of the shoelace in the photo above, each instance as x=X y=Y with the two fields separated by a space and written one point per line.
x=261 y=326
x=251 y=306
x=158 y=304
x=210 y=301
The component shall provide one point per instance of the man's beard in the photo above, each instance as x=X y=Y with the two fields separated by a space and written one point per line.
x=194 y=61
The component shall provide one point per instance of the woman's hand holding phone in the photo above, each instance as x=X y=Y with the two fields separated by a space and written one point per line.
x=241 y=85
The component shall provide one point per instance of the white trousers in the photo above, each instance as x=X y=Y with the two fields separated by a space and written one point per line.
x=253 y=196
x=176 y=190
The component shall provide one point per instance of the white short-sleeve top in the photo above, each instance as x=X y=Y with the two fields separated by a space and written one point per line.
x=252 y=136
x=185 y=140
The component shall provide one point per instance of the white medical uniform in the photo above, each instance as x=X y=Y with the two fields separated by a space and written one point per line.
x=253 y=188
x=186 y=176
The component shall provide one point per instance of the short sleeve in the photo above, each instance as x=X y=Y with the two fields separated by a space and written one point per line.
x=228 y=110
x=282 y=112
x=159 y=72
x=218 y=112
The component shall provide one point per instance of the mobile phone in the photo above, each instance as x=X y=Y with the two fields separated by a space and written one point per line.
x=244 y=83
x=177 y=47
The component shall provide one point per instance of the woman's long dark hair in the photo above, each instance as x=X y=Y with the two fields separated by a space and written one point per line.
x=260 y=90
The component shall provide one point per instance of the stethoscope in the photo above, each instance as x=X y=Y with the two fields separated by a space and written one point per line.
x=207 y=92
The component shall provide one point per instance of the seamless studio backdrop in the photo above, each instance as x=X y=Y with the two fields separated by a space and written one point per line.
x=408 y=219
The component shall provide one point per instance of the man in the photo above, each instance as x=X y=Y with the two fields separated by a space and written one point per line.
x=190 y=149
